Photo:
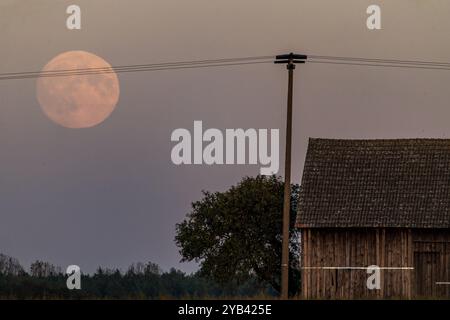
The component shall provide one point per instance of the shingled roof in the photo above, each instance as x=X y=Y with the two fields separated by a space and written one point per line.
x=376 y=183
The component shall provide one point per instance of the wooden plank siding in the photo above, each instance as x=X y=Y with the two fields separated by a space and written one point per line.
x=432 y=262
x=428 y=251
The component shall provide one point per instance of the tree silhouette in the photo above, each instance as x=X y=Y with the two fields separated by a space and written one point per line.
x=236 y=234
x=140 y=281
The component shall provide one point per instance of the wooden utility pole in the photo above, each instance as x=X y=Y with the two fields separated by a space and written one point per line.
x=290 y=60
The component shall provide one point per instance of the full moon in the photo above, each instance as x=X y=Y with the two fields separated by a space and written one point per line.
x=78 y=101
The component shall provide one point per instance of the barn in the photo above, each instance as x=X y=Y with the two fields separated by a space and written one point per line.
x=375 y=202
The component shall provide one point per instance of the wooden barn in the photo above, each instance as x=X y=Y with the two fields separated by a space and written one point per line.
x=375 y=202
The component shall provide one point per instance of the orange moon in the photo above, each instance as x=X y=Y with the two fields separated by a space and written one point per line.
x=78 y=101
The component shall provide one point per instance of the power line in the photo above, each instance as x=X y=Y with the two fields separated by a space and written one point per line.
x=382 y=65
x=136 y=68
x=130 y=70
x=393 y=61
x=211 y=63
x=372 y=62
x=148 y=65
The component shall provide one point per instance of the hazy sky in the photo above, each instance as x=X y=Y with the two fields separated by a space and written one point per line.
x=109 y=195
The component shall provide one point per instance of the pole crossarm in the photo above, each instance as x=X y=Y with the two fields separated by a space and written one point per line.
x=291 y=56
x=288 y=61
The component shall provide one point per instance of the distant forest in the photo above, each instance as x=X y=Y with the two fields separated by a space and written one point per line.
x=140 y=281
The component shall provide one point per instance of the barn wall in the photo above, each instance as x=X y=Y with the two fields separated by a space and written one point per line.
x=355 y=248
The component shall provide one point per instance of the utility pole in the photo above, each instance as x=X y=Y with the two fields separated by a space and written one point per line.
x=290 y=60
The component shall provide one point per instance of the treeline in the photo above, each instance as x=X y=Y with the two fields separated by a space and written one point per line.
x=140 y=281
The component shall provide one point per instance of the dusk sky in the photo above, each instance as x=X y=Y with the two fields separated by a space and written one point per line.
x=109 y=195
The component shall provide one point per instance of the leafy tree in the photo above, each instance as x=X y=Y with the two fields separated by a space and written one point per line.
x=236 y=234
